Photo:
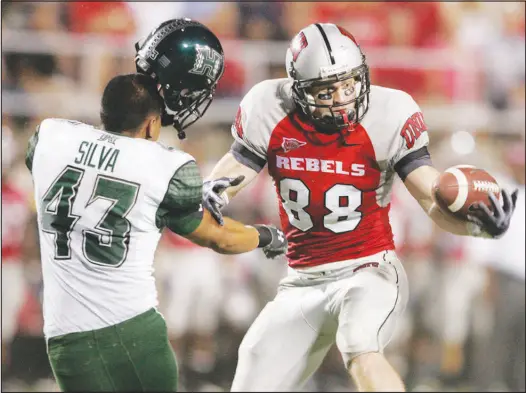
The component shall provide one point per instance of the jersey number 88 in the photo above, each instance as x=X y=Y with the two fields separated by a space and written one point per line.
x=342 y=200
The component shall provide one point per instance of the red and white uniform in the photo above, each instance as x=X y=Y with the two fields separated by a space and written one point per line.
x=15 y=214
x=345 y=284
x=334 y=198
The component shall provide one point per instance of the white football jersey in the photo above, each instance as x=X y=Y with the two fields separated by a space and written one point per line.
x=334 y=190
x=98 y=196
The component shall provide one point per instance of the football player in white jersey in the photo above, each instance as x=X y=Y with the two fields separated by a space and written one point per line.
x=104 y=195
x=333 y=144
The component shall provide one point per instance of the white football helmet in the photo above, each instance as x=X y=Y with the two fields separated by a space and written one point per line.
x=323 y=54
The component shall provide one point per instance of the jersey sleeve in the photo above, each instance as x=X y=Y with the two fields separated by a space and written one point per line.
x=44 y=132
x=409 y=149
x=250 y=130
x=31 y=147
x=181 y=210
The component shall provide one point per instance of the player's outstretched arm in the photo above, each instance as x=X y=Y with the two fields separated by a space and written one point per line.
x=420 y=184
x=235 y=238
x=228 y=177
x=182 y=212
x=481 y=223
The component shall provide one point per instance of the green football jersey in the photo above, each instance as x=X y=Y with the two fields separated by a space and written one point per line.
x=102 y=200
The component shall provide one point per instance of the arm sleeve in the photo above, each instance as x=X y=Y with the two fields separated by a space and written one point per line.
x=409 y=149
x=181 y=210
x=251 y=130
x=246 y=157
x=412 y=161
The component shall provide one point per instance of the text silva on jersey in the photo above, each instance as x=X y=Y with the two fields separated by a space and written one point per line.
x=94 y=155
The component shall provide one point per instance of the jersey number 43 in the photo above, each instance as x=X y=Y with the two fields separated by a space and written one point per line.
x=107 y=243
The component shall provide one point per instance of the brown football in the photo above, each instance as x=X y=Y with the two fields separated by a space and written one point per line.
x=458 y=187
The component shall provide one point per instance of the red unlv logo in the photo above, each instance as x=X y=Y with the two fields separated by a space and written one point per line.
x=298 y=44
x=347 y=34
x=413 y=128
x=238 y=123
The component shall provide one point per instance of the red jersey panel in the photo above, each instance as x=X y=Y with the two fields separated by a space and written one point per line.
x=327 y=196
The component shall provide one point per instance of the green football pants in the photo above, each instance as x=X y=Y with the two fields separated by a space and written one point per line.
x=134 y=355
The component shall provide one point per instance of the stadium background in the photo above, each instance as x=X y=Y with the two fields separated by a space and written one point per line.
x=464 y=63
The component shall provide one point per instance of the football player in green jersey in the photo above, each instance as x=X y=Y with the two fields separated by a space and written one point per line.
x=104 y=195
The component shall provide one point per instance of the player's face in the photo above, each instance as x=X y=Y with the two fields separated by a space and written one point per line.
x=340 y=95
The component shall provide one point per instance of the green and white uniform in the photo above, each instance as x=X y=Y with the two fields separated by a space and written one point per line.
x=102 y=200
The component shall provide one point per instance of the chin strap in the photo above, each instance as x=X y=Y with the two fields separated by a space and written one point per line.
x=180 y=133
x=169 y=120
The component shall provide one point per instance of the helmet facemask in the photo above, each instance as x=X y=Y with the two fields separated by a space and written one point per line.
x=339 y=117
x=184 y=107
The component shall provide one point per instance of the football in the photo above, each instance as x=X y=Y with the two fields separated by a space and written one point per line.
x=458 y=187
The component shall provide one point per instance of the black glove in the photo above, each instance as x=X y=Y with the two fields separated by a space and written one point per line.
x=271 y=240
x=212 y=199
x=497 y=223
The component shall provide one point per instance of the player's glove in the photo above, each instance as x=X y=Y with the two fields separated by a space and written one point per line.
x=271 y=240
x=482 y=222
x=213 y=198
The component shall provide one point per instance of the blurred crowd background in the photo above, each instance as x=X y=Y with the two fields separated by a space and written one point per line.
x=463 y=62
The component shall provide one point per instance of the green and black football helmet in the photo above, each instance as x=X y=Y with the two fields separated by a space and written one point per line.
x=187 y=60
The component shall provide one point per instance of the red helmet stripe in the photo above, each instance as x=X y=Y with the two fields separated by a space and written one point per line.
x=347 y=34
x=297 y=45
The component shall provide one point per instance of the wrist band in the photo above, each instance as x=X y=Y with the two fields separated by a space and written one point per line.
x=265 y=235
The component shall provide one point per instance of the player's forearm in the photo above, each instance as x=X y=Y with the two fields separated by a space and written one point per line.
x=447 y=222
x=419 y=183
x=236 y=238
x=228 y=166
x=231 y=238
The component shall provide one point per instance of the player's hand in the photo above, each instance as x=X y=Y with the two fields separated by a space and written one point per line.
x=495 y=223
x=277 y=241
x=213 y=200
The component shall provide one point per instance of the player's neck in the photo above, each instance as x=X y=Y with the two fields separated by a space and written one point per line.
x=127 y=133
x=132 y=134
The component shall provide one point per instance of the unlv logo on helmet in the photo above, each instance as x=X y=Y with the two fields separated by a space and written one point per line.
x=207 y=62
x=298 y=44
x=347 y=34
x=291 y=144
